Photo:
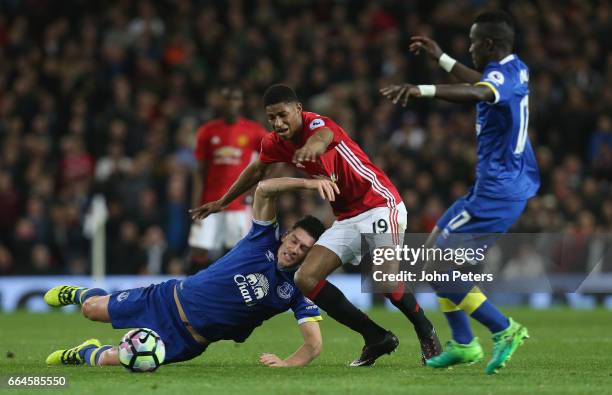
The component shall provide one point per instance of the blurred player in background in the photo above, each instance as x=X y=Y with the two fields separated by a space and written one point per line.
x=250 y=284
x=224 y=148
x=367 y=203
x=507 y=174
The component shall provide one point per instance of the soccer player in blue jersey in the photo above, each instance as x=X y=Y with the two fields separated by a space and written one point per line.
x=506 y=175
x=250 y=284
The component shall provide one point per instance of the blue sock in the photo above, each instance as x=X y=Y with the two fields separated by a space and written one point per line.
x=460 y=326
x=488 y=315
x=82 y=295
x=86 y=353
x=476 y=304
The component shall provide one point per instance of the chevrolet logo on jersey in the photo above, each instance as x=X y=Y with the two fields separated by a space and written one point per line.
x=252 y=287
x=227 y=155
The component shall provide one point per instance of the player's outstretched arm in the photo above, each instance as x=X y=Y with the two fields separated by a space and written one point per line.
x=431 y=48
x=313 y=344
x=458 y=93
x=250 y=176
x=264 y=204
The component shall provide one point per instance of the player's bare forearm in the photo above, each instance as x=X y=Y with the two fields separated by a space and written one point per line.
x=321 y=139
x=464 y=93
x=264 y=205
x=250 y=176
x=274 y=186
x=459 y=93
x=313 y=344
x=315 y=146
x=422 y=44
x=465 y=73
x=304 y=355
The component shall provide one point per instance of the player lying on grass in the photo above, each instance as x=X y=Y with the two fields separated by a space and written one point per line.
x=250 y=284
x=507 y=176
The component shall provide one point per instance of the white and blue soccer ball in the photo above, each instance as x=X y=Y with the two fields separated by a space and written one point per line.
x=141 y=350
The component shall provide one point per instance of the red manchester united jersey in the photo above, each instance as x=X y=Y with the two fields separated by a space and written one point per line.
x=227 y=149
x=362 y=185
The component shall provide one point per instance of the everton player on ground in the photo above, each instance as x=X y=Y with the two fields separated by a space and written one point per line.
x=506 y=174
x=224 y=147
x=250 y=284
x=367 y=203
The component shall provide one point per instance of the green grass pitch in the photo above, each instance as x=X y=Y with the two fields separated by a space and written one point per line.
x=569 y=352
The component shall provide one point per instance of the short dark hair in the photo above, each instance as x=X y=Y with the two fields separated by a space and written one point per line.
x=311 y=225
x=498 y=26
x=279 y=93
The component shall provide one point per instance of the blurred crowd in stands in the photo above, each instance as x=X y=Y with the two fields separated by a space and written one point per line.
x=105 y=98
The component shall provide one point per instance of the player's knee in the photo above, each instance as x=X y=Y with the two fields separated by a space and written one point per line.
x=305 y=280
x=91 y=309
x=87 y=309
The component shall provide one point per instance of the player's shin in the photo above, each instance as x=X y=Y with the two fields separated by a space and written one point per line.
x=81 y=295
x=92 y=355
x=457 y=320
x=408 y=305
x=337 y=306
x=476 y=304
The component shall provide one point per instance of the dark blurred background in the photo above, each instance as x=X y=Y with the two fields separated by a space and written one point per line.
x=105 y=97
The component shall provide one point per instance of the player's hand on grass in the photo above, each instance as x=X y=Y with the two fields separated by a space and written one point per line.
x=327 y=189
x=272 y=361
x=400 y=92
x=426 y=44
x=206 y=209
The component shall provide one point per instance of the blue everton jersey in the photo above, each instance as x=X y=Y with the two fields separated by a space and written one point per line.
x=507 y=168
x=243 y=288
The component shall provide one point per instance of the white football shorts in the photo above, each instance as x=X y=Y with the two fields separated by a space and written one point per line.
x=344 y=237
x=220 y=230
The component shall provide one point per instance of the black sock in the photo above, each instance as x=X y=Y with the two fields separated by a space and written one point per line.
x=407 y=304
x=337 y=306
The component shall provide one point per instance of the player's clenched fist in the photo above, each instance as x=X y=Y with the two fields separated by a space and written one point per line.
x=402 y=92
x=206 y=209
x=426 y=44
x=327 y=189
x=272 y=361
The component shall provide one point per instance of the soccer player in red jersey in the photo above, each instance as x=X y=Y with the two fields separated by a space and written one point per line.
x=367 y=203
x=224 y=148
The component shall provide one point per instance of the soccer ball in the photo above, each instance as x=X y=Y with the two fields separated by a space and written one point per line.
x=141 y=350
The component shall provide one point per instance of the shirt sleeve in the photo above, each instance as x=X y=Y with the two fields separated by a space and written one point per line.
x=305 y=310
x=268 y=230
x=202 y=143
x=270 y=152
x=499 y=82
